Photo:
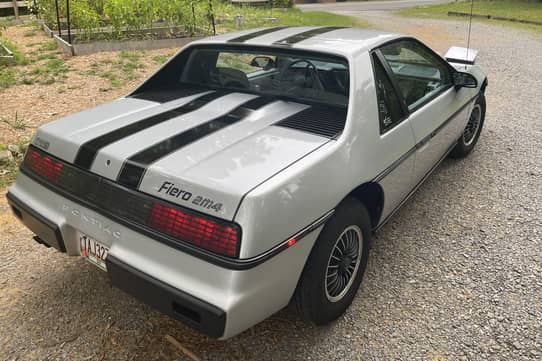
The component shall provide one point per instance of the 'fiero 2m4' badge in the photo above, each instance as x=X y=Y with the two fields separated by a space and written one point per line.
x=172 y=190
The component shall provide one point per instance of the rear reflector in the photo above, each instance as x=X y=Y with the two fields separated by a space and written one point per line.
x=43 y=165
x=202 y=232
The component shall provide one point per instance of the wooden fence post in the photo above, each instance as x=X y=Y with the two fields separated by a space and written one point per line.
x=16 y=9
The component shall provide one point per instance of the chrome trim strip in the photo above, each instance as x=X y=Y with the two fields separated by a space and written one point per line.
x=262 y=257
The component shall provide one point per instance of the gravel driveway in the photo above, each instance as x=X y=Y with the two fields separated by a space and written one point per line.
x=456 y=275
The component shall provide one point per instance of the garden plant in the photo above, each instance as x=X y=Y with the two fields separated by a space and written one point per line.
x=119 y=19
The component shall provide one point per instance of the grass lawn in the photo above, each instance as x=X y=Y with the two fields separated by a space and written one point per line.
x=291 y=17
x=297 y=17
x=518 y=9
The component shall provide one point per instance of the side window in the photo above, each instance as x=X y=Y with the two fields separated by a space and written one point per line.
x=389 y=105
x=420 y=74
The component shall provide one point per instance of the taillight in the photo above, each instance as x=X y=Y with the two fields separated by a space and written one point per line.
x=43 y=165
x=203 y=232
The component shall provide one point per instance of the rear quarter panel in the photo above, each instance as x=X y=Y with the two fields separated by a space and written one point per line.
x=303 y=192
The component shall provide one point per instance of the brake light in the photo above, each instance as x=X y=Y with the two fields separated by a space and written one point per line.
x=43 y=165
x=202 y=232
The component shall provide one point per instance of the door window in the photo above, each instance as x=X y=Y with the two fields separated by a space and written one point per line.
x=390 y=111
x=420 y=74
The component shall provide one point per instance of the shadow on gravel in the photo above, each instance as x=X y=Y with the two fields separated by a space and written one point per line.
x=76 y=311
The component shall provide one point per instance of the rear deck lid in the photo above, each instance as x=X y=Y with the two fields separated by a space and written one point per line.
x=204 y=151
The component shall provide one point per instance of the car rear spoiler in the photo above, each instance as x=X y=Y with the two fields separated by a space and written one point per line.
x=460 y=55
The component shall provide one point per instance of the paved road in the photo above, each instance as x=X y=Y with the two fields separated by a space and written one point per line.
x=368 y=5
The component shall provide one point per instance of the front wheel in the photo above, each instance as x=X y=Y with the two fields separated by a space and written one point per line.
x=335 y=266
x=472 y=131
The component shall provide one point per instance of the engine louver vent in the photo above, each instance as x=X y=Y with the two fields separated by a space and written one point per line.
x=327 y=122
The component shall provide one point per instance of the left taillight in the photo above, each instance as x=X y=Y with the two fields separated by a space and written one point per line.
x=43 y=165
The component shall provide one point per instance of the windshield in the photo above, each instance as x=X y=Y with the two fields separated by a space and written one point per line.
x=284 y=73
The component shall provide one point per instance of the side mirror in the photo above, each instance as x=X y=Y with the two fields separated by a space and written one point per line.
x=263 y=62
x=464 y=80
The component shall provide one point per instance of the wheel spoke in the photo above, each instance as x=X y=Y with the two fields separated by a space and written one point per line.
x=343 y=263
x=342 y=244
x=335 y=286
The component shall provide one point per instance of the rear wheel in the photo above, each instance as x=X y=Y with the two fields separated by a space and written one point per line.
x=335 y=266
x=472 y=131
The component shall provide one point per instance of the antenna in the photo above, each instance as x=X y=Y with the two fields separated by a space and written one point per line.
x=468 y=37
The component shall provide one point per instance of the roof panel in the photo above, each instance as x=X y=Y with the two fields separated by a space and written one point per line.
x=342 y=41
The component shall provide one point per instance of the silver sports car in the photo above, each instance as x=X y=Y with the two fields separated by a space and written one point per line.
x=249 y=172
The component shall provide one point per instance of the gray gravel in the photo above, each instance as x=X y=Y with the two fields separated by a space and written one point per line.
x=456 y=275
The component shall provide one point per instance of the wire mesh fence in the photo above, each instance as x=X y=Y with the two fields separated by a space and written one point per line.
x=117 y=19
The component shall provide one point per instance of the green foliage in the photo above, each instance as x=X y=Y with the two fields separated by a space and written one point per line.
x=282 y=3
x=134 y=15
x=52 y=71
x=193 y=16
x=129 y=63
x=18 y=123
x=7 y=77
x=8 y=171
x=160 y=59
x=44 y=56
x=30 y=33
x=86 y=17
x=124 y=67
x=3 y=26
x=48 y=46
x=18 y=56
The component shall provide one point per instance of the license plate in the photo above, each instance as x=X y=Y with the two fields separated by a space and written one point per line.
x=93 y=251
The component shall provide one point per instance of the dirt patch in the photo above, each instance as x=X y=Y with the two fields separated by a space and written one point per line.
x=84 y=81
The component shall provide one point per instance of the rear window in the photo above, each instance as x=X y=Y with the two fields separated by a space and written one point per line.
x=284 y=73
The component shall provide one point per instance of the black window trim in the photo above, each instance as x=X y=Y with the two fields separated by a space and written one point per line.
x=149 y=83
x=394 y=80
x=387 y=70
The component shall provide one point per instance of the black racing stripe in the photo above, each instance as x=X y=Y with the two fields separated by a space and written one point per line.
x=306 y=35
x=87 y=152
x=258 y=102
x=243 y=38
x=168 y=94
x=134 y=167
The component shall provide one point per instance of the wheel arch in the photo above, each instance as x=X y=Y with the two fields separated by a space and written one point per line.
x=371 y=195
x=484 y=86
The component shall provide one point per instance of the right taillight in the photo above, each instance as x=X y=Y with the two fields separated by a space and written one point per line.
x=202 y=232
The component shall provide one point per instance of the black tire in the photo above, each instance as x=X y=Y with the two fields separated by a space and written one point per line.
x=311 y=301
x=468 y=140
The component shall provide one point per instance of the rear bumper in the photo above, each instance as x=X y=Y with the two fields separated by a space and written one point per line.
x=218 y=301
x=177 y=304
x=46 y=231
